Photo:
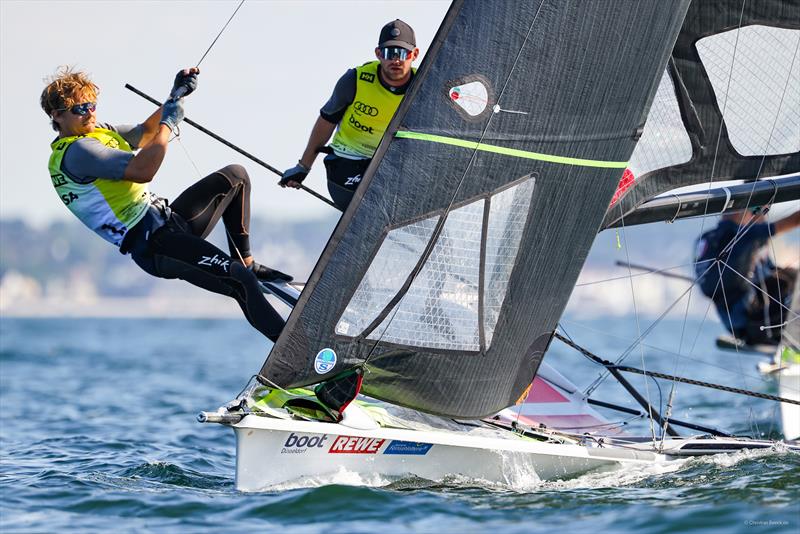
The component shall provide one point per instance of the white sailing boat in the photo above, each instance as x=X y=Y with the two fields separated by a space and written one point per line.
x=785 y=368
x=441 y=289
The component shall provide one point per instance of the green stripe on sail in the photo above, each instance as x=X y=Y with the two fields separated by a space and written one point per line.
x=405 y=134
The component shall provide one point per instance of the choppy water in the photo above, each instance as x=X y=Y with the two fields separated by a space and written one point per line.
x=98 y=433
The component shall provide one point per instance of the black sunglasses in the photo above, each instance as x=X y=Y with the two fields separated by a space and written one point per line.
x=394 y=52
x=81 y=109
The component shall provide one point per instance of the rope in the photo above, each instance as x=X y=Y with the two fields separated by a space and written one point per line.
x=638 y=329
x=654 y=374
x=219 y=34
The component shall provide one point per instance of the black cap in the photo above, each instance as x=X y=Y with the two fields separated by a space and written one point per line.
x=397 y=33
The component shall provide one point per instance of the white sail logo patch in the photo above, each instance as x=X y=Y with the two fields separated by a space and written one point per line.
x=325 y=361
x=472 y=97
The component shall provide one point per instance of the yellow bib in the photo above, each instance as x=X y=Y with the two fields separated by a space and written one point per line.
x=365 y=120
x=109 y=207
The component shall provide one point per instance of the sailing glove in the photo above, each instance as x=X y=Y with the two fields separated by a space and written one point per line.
x=185 y=83
x=297 y=174
x=172 y=113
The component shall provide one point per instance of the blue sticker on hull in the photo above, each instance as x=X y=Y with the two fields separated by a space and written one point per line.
x=408 y=447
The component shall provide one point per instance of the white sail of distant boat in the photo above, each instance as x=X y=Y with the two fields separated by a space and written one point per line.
x=440 y=290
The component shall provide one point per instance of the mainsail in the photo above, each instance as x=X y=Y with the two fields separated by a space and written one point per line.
x=728 y=105
x=447 y=275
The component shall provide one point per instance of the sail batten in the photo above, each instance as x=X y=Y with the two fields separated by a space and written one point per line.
x=448 y=273
x=513 y=152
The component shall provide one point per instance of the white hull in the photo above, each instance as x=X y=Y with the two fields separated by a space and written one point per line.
x=789 y=388
x=788 y=377
x=271 y=452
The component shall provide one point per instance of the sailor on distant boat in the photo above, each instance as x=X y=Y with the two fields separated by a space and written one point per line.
x=103 y=181
x=362 y=105
x=745 y=285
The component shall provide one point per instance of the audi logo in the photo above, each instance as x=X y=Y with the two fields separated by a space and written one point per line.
x=365 y=109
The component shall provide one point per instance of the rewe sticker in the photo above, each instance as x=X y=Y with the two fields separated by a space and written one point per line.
x=355 y=445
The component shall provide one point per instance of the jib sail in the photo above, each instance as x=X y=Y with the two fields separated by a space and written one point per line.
x=727 y=106
x=448 y=273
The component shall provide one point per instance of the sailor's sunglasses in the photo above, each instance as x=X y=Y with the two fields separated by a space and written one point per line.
x=394 y=52
x=81 y=109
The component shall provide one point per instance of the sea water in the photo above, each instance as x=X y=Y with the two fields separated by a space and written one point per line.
x=98 y=433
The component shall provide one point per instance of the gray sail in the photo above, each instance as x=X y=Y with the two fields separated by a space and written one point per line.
x=447 y=275
x=728 y=105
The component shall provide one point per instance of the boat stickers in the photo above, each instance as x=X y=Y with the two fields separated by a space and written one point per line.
x=302 y=443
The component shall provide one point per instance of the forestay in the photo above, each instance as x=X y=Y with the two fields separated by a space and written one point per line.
x=728 y=105
x=450 y=269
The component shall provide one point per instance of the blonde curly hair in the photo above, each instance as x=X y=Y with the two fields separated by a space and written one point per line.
x=66 y=88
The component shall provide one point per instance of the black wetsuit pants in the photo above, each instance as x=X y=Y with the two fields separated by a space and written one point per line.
x=178 y=249
x=344 y=177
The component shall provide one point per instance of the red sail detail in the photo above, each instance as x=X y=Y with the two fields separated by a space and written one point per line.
x=625 y=182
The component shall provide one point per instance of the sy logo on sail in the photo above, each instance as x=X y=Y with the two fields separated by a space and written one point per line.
x=325 y=361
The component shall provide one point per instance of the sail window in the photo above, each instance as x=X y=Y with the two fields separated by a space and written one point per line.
x=391 y=267
x=758 y=98
x=472 y=97
x=664 y=141
x=508 y=214
x=441 y=308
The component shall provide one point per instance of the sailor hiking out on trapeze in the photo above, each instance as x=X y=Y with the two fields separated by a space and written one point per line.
x=101 y=174
x=751 y=294
x=363 y=103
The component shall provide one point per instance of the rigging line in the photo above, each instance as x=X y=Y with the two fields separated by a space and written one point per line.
x=673 y=388
x=740 y=275
x=768 y=320
x=750 y=419
x=638 y=326
x=440 y=224
x=655 y=374
x=638 y=340
x=662 y=272
x=219 y=34
x=723 y=110
x=200 y=175
x=185 y=151
x=777 y=113
x=774 y=259
x=667 y=352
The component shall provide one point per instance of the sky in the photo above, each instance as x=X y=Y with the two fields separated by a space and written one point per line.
x=260 y=87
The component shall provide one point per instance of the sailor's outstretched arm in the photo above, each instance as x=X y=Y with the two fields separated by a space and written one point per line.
x=787 y=223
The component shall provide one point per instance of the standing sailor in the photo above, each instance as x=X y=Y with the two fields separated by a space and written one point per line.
x=748 y=290
x=362 y=105
x=101 y=173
